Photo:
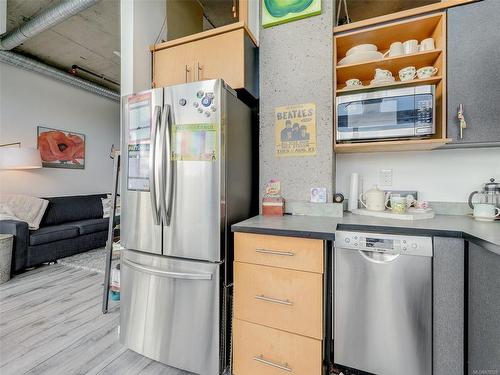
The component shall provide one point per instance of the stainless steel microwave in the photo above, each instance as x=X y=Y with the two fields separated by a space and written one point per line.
x=392 y=113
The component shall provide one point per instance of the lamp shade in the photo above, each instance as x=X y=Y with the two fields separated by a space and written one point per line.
x=20 y=158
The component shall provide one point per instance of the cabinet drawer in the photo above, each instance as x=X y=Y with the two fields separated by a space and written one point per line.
x=279 y=298
x=260 y=350
x=287 y=252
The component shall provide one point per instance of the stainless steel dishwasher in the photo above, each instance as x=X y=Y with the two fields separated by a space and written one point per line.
x=383 y=303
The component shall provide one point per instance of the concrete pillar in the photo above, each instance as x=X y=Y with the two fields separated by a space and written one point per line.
x=141 y=22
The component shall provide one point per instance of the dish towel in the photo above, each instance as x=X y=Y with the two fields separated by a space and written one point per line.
x=23 y=208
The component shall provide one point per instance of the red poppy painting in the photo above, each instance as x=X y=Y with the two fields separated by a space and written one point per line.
x=61 y=149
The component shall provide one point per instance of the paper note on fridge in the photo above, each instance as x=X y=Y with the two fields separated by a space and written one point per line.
x=194 y=142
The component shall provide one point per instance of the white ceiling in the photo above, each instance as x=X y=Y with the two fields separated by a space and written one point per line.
x=87 y=39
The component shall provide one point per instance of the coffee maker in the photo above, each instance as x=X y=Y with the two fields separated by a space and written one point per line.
x=489 y=194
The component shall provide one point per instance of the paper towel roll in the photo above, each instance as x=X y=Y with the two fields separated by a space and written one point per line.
x=353 y=192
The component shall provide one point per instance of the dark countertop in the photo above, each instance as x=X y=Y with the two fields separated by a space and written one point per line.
x=486 y=234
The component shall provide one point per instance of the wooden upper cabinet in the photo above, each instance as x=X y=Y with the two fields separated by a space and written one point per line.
x=230 y=54
x=190 y=17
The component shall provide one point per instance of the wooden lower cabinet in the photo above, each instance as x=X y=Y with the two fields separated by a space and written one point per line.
x=261 y=350
x=279 y=298
x=278 y=314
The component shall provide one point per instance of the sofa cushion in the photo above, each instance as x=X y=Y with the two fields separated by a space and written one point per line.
x=52 y=233
x=90 y=225
x=72 y=208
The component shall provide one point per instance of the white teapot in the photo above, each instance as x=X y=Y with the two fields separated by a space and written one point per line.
x=374 y=199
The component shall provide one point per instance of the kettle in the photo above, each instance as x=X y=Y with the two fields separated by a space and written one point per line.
x=490 y=194
x=375 y=199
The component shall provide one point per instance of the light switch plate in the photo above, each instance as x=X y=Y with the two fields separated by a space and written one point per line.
x=385 y=177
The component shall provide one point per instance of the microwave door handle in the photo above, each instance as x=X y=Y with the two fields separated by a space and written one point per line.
x=152 y=165
x=163 y=166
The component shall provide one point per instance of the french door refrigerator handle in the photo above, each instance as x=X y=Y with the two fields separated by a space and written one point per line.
x=171 y=274
x=170 y=170
x=165 y=164
x=152 y=166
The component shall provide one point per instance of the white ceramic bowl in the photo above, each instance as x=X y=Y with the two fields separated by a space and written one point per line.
x=360 y=57
x=361 y=48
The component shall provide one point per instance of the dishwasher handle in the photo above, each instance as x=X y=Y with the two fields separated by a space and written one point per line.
x=379 y=258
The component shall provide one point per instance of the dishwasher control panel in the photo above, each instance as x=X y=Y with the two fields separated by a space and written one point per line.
x=384 y=243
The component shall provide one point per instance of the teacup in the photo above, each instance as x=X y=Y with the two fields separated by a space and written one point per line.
x=396 y=49
x=408 y=73
x=426 y=45
x=426 y=72
x=381 y=74
x=354 y=82
x=410 y=46
x=398 y=204
x=485 y=212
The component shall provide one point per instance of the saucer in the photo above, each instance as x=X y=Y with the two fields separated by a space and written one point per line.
x=485 y=218
x=385 y=81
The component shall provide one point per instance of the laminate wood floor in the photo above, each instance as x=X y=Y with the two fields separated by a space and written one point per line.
x=51 y=323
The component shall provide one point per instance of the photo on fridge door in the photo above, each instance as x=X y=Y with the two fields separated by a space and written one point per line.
x=194 y=142
x=138 y=167
x=139 y=117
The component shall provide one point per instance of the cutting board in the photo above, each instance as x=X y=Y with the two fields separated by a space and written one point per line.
x=389 y=215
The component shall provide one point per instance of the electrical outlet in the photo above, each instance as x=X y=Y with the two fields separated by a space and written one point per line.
x=385 y=177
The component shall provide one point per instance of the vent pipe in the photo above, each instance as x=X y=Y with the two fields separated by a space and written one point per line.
x=45 y=20
x=23 y=62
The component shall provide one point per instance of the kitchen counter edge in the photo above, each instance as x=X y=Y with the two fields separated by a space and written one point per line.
x=486 y=235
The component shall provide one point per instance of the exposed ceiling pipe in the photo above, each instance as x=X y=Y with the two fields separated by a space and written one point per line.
x=31 y=65
x=45 y=20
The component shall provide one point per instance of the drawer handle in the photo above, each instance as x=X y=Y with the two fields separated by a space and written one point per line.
x=274 y=300
x=261 y=359
x=275 y=252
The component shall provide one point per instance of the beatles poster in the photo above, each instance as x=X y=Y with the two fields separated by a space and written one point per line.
x=295 y=128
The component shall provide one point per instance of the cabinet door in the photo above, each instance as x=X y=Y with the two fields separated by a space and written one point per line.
x=484 y=311
x=221 y=56
x=174 y=65
x=473 y=71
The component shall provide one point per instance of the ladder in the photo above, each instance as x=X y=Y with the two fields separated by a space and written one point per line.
x=115 y=154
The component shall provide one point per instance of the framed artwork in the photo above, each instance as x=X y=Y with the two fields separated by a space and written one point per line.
x=275 y=12
x=295 y=130
x=60 y=148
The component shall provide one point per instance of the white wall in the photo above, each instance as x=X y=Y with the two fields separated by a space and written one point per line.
x=28 y=100
x=141 y=22
x=439 y=175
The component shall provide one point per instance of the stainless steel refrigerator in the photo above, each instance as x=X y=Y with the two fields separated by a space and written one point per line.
x=186 y=177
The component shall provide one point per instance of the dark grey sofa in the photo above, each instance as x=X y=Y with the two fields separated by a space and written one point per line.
x=70 y=225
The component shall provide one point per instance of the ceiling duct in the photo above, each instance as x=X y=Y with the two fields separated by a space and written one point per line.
x=45 y=20
x=31 y=65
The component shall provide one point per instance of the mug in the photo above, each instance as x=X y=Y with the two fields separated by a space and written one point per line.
x=396 y=49
x=427 y=45
x=410 y=46
x=354 y=82
x=408 y=73
x=382 y=74
x=486 y=211
x=426 y=72
x=398 y=204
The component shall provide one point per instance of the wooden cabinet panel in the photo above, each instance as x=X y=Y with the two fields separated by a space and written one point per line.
x=172 y=66
x=229 y=54
x=279 y=298
x=260 y=350
x=287 y=252
x=221 y=56
x=473 y=76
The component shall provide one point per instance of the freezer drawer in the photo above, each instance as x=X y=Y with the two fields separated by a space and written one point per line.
x=170 y=310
